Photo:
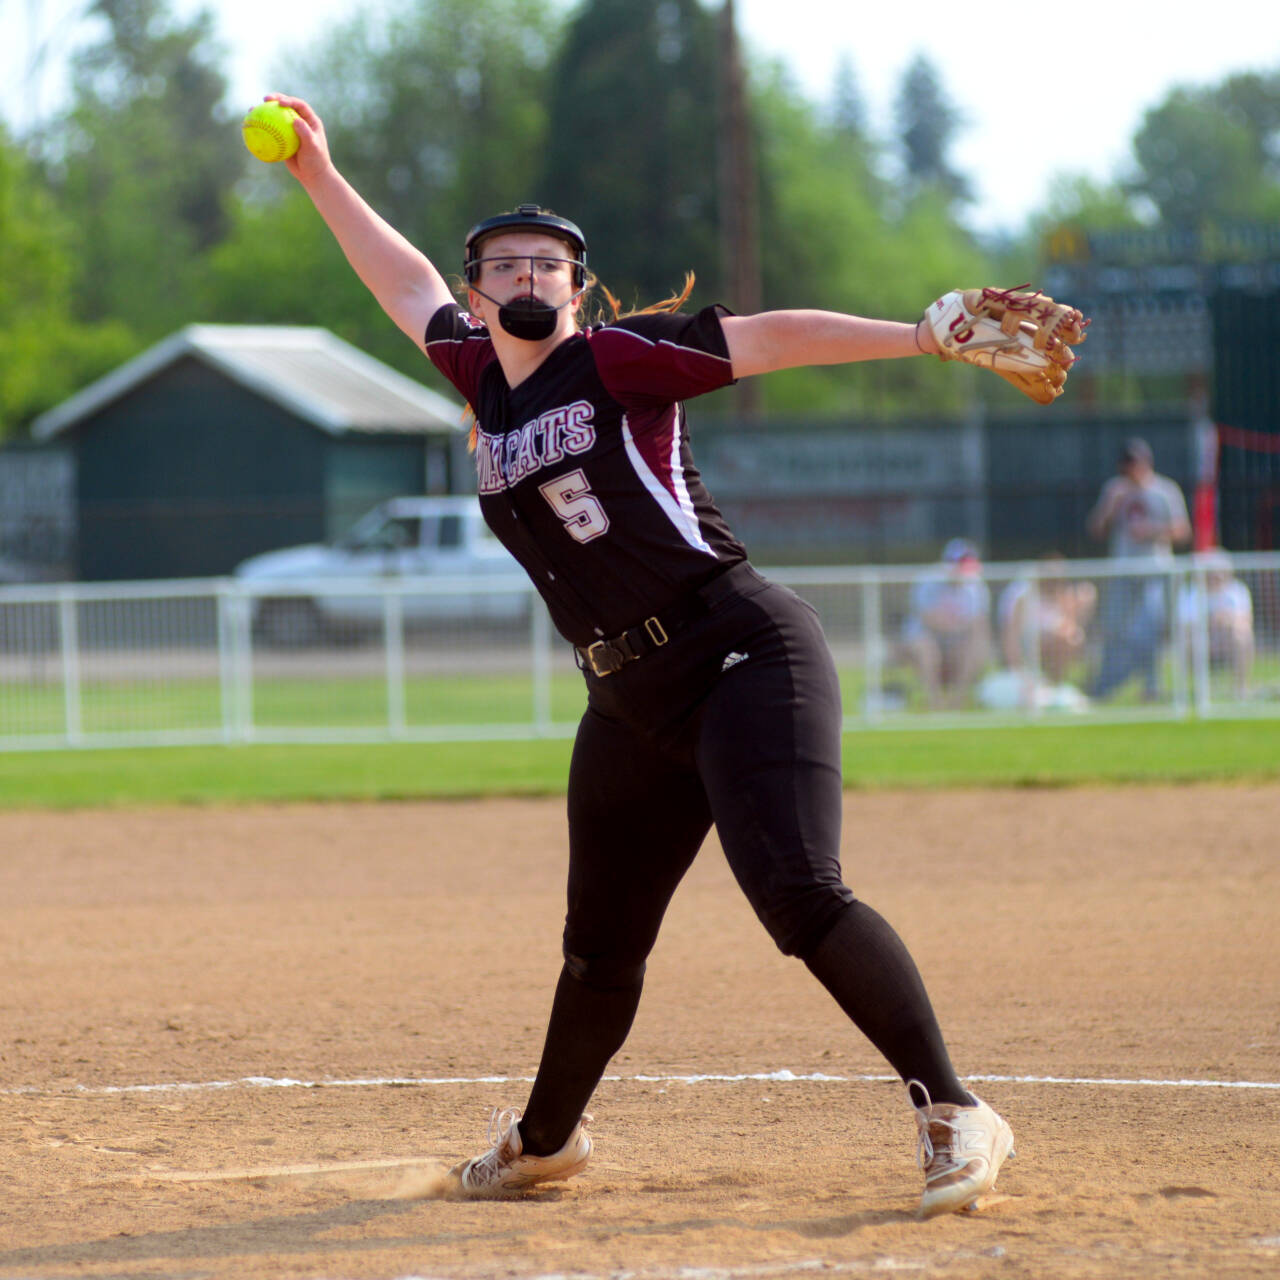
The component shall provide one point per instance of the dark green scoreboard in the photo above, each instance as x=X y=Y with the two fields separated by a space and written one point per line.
x=1196 y=312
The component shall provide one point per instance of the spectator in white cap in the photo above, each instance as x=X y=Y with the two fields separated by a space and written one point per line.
x=947 y=633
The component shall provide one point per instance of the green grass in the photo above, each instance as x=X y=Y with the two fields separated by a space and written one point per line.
x=35 y=707
x=1049 y=755
x=340 y=702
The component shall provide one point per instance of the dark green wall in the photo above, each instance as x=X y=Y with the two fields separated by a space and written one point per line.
x=1246 y=401
x=190 y=473
x=1045 y=469
x=363 y=471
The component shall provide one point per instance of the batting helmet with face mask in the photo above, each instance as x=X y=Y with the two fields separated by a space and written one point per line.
x=528 y=318
x=526 y=217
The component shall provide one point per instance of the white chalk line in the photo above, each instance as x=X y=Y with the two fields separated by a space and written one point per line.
x=782 y=1076
x=879 y=1265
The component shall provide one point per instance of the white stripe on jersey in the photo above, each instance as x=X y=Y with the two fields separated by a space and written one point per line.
x=678 y=507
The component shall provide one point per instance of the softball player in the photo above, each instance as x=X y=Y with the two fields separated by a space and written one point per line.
x=712 y=695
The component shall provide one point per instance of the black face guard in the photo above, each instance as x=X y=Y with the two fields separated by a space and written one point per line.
x=528 y=318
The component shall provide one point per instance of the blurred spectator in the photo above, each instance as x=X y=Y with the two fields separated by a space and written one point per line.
x=947 y=634
x=1142 y=515
x=1225 y=604
x=1043 y=619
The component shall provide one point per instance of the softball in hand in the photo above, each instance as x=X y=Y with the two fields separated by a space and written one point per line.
x=269 y=133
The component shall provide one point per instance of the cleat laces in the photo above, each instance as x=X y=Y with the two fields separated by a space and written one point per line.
x=927 y=1152
x=488 y=1168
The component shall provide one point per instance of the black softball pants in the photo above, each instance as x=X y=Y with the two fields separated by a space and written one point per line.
x=736 y=722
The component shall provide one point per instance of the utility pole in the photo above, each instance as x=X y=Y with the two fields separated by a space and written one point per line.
x=739 y=228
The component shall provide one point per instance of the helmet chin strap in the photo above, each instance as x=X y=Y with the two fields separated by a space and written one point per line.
x=529 y=319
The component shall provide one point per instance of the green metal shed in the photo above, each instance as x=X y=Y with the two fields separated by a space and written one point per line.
x=226 y=440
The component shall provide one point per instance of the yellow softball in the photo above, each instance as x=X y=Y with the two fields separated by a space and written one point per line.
x=269 y=133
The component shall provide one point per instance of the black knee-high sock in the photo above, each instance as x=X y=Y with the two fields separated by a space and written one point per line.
x=588 y=1026
x=870 y=972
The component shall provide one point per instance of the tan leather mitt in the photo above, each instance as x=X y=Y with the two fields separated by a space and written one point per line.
x=1024 y=337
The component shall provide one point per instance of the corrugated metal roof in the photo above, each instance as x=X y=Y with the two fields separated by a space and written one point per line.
x=308 y=370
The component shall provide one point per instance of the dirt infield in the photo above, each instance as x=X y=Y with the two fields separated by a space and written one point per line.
x=237 y=1043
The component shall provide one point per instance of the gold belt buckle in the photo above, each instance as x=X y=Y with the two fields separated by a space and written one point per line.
x=655 y=631
x=603 y=658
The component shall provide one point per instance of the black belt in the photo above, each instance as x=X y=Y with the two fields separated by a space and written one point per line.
x=604 y=657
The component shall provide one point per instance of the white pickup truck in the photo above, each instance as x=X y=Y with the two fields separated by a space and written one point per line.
x=402 y=540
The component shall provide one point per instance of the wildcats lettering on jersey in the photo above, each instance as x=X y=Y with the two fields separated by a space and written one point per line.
x=506 y=459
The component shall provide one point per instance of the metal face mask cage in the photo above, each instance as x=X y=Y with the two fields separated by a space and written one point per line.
x=526 y=217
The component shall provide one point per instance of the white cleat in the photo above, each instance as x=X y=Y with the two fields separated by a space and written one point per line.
x=504 y=1168
x=961 y=1151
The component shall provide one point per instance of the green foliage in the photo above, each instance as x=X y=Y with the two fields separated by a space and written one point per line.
x=50 y=357
x=437 y=114
x=143 y=166
x=1207 y=159
x=631 y=151
x=1077 y=200
x=45 y=355
x=280 y=265
x=848 y=110
x=821 y=218
x=926 y=124
x=147 y=213
x=832 y=241
x=1253 y=100
x=34 y=267
x=1204 y=154
x=1198 y=160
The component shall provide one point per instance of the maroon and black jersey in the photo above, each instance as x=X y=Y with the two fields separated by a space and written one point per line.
x=584 y=469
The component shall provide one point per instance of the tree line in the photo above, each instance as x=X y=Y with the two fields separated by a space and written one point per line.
x=137 y=210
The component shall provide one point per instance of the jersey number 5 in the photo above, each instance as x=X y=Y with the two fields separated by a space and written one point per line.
x=571 y=499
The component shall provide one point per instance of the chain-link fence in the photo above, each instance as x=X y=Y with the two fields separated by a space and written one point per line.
x=218 y=660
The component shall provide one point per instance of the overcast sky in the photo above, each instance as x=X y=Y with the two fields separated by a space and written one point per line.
x=1067 y=96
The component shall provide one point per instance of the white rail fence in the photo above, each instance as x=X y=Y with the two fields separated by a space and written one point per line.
x=219 y=661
